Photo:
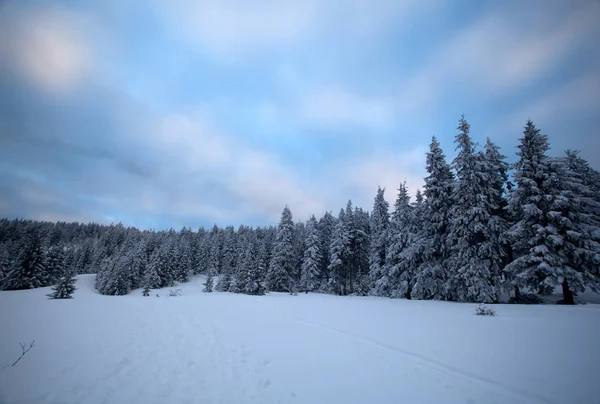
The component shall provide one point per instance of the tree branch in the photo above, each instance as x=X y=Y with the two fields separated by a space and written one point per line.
x=25 y=350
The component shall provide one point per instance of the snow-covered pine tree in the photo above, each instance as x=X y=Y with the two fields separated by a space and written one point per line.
x=532 y=236
x=474 y=233
x=326 y=225
x=400 y=236
x=65 y=286
x=29 y=269
x=575 y=240
x=309 y=276
x=432 y=248
x=250 y=274
x=183 y=258
x=380 y=219
x=55 y=263
x=298 y=241
x=340 y=240
x=230 y=254
x=4 y=263
x=361 y=284
x=204 y=244
x=282 y=264
x=151 y=279
x=113 y=277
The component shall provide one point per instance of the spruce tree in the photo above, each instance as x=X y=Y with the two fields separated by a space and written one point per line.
x=361 y=283
x=474 y=232
x=326 y=225
x=282 y=265
x=380 y=219
x=338 y=253
x=4 y=263
x=65 y=287
x=229 y=260
x=311 y=260
x=55 y=263
x=29 y=269
x=431 y=248
x=400 y=237
x=533 y=235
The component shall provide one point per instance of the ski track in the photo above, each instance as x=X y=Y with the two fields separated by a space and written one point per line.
x=429 y=363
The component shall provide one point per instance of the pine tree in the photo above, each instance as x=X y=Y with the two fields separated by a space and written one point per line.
x=326 y=226
x=400 y=237
x=282 y=265
x=380 y=219
x=312 y=257
x=114 y=279
x=4 y=263
x=431 y=248
x=338 y=254
x=360 y=283
x=229 y=260
x=55 y=263
x=29 y=269
x=532 y=236
x=151 y=278
x=474 y=231
x=65 y=287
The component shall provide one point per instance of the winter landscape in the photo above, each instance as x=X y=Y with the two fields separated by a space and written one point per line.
x=299 y=201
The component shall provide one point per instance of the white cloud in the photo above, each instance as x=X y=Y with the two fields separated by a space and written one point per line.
x=358 y=178
x=338 y=107
x=193 y=148
x=507 y=48
x=49 y=47
x=231 y=29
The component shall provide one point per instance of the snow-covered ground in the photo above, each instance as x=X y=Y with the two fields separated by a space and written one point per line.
x=227 y=348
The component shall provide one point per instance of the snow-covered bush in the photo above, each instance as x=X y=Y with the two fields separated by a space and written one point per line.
x=174 y=292
x=483 y=310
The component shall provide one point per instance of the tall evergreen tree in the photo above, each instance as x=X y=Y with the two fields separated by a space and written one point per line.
x=55 y=263
x=230 y=255
x=380 y=219
x=533 y=234
x=309 y=277
x=432 y=247
x=338 y=253
x=29 y=269
x=282 y=265
x=326 y=226
x=401 y=278
x=474 y=231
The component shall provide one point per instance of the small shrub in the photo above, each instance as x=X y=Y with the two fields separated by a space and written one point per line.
x=483 y=310
x=174 y=292
x=146 y=292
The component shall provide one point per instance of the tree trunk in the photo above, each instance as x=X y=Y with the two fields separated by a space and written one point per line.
x=567 y=293
x=517 y=295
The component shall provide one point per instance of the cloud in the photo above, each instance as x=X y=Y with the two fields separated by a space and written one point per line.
x=50 y=47
x=233 y=29
x=508 y=48
x=335 y=107
x=358 y=178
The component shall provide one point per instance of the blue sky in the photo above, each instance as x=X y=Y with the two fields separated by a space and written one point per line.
x=170 y=113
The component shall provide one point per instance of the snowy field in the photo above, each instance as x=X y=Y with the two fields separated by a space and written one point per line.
x=226 y=348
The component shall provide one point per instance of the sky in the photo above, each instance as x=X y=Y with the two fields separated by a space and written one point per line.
x=171 y=113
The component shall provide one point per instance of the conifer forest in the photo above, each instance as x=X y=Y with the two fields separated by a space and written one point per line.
x=482 y=230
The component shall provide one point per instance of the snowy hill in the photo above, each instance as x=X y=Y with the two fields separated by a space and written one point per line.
x=227 y=348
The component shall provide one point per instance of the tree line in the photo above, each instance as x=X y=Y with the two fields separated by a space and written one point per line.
x=475 y=233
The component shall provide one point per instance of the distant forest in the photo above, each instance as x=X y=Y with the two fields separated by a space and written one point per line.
x=474 y=234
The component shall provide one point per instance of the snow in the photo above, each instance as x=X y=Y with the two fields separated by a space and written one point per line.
x=311 y=348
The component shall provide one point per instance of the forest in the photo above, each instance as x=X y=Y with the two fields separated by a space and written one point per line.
x=481 y=229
